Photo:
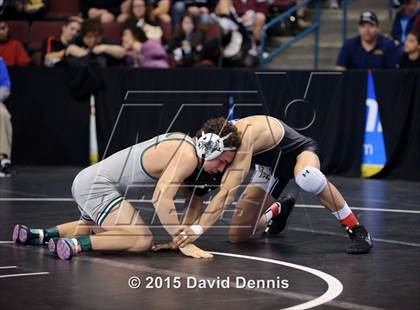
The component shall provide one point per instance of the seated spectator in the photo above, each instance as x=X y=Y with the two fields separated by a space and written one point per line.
x=301 y=13
x=153 y=55
x=23 y=9
x=251 y=13
x=416 y=25
x=12 y=51
x=5 y=123
x=106 y=10
x=396 y=4
x=140 y=52
x=189 y=46
x=140 y=14
x=158 y=11
x=411 y=57
x=90 y=44
x=404 y=20
x=290 y=26
x=236 y=44
x=53 y=48
x=194 y=8
x=132 y=40
x=125 y=11
x=370 y=49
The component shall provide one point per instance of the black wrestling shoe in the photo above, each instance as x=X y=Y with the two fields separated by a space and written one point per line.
x=52 y=246
x=277 y=225
x=361 y=243
x=25 y=235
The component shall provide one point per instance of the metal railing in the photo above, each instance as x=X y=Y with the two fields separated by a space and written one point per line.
x=265 y=57
x=345 y=6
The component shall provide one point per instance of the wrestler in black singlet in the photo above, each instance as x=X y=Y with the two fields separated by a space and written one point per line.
x=281 y=159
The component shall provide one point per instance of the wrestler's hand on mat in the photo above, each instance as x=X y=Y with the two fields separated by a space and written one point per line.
x=192 y=250
x=185 y=236
x=165 y=246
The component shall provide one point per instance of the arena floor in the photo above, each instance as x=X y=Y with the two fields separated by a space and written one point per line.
x=308 y=262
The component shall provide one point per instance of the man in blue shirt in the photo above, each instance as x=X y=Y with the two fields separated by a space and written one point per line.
x=5 y=124
x=404 y=20
x=370 y=49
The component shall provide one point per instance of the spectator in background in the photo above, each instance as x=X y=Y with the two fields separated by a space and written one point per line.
x=301 y=13
x=23 y=9
x=140 y=14
x=370 y=49
x=189 y=45
x=153 y=55
x=404 y=21
x=12 y=51
x=132 y=39
x=141 y=52
x=90 y=44
x=53 y=48
x=106 y=10
x=158 y=11
x=125 y=11
x=411 y=57
x=416 y=25
x=200 y=8
x=396 y=4
x=5 y=123
x=250 y=13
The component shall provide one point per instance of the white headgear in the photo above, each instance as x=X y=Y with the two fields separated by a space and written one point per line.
x=210 y=146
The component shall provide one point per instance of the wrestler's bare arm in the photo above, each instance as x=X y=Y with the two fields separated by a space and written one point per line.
x=179 y=168
x=163 y=200
x=192 y=211
x=232 y=179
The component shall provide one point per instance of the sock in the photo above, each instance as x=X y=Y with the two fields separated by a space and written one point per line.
x=84 y=242
x=346 y=217
x=51 y=232
x=272 y=211
x=76 y=245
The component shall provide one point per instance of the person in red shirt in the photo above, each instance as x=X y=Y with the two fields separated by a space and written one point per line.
x=12 y=51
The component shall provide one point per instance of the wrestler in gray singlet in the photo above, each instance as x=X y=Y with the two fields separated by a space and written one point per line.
x=99 y=188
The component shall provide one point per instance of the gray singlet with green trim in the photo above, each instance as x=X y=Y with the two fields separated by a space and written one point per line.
x=100 y=187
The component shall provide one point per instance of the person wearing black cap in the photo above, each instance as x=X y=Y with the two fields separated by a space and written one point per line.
x=370 y=49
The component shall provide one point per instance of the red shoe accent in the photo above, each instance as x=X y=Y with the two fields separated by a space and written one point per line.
x=275 y=209
x=350 y=221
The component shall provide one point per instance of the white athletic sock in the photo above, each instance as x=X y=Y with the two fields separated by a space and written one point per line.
x=77 y=246
x=346 y=217
x=343 y=212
